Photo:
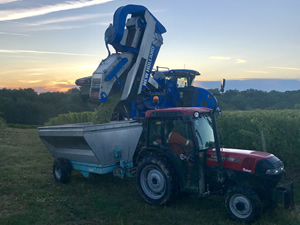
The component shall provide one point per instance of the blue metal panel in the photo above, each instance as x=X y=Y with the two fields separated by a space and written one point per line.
x=133 y=109
x=173 y=91
x=120 y=21
x=181 y=71
x=150 y=63
x=86 y=168
x=204 y=97
x=116 y=69
x=92 y=168
x=103 y=97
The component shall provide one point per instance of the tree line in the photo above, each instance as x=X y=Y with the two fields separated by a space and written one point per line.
x=25 y=106
x=252 y=99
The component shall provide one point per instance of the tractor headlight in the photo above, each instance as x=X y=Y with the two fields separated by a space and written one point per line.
x=275 y=171
x=196 y=114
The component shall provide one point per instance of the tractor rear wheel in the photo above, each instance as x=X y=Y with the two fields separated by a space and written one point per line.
x=62 y=170
x=156 y=181
x=242 y=204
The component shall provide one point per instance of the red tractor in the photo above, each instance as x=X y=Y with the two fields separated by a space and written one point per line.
x=193 y=162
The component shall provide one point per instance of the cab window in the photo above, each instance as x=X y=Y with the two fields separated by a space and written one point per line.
x=154 y=132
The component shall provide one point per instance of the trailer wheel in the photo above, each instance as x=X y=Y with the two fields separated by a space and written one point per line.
x=242 y=204
x=156 y=181
x=62 y=170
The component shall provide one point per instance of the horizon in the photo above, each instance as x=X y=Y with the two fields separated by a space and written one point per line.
x=47 y=46
x=266 y=85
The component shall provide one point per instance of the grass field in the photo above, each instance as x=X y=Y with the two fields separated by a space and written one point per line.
x=29 y=194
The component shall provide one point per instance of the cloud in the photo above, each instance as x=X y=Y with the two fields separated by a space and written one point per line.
x=54 y=24
x=34 y=81
x=238 y=61
x=62 y=85
x=8 y=1
x=49 y=86
x=25 y=13
x=47 y=28
x=69 y=19
x=219 y=57
x=61 y=82
x=101 y=23
x=30 y=81
x=15 y=34
x=35 y=74
x=20 y=71
x=65 y=27
x=285 y=68
x=42 y=52
x=257 y=71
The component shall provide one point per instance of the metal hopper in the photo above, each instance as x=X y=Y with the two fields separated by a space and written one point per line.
x=92 y=144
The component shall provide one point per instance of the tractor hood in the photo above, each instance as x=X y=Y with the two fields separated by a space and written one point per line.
x=245 y=160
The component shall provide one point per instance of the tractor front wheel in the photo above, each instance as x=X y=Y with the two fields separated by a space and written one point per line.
x=62 y=170
x=242 y=204
x=156 y=181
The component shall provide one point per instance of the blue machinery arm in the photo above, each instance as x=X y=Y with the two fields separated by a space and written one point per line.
x=136 y=36
x=115 y=32
x=137 y=41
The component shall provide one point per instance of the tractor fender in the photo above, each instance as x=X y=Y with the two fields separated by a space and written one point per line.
x=238 y=178
x=231 y=177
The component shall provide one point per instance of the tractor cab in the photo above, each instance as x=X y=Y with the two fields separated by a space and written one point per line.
x=177 y=85
x=183 y=77
x=183 y=134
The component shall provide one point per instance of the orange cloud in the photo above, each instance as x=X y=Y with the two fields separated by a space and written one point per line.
x=60 y=86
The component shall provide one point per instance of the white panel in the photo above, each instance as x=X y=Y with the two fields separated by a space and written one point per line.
x=144 y=52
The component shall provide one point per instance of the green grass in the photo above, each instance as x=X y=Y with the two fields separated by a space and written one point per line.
x=2 y=122
x=29 y=194
x=22 y=126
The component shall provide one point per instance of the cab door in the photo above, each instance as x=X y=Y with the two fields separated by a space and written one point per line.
x=179 y=140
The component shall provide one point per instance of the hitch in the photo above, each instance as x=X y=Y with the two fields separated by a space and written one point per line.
x=125 y=168
x=284 y=194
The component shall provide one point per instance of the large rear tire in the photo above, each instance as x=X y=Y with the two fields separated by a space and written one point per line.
x=62 y=170
x=242 y=204
x=156 y=181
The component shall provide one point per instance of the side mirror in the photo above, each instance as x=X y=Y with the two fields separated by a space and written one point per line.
x=222 y=86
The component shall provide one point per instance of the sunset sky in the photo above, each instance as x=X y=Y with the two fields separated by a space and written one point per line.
x=48 y=44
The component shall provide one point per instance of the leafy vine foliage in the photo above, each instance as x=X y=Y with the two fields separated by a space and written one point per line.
x=281 y=128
